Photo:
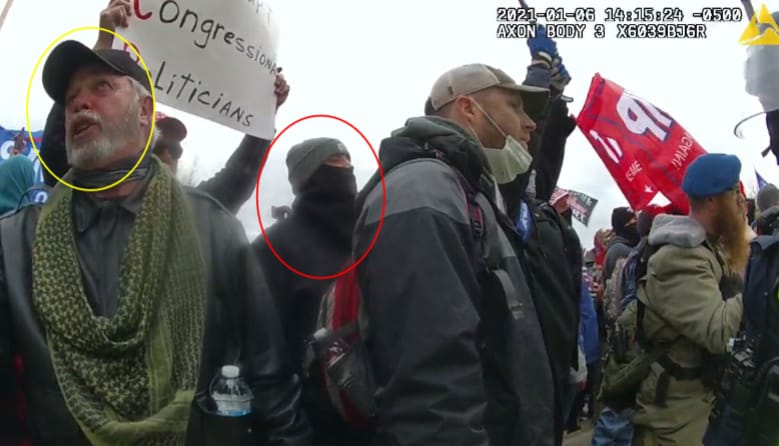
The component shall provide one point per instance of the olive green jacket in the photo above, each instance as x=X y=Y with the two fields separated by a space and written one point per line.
x=681 y=291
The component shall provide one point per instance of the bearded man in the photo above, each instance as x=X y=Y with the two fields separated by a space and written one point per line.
x=691 y=303
x=124 y=304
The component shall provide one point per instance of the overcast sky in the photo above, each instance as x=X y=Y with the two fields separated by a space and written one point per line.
x=373 y=63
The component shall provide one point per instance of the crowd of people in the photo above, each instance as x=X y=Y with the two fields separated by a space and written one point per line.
x=477 y=319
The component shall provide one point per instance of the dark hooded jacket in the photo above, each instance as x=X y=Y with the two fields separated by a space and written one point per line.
x=231 y=186
x=241 y=327
x=453 y=366
x=618 y=248
x=315 y=239
x=552 y=249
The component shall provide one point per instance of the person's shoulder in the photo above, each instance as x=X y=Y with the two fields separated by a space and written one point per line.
x=423 y=183
x=670 y=258
x=278 y=233
x=20 y=225
x=207 y=208
x=204 y=201
x=27 y=213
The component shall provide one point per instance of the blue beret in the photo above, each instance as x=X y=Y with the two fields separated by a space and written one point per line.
x=711 y=174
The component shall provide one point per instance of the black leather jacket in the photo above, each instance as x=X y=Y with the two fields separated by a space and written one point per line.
x=241 y=326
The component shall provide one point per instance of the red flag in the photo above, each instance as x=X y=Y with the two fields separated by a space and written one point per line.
x=644 y=148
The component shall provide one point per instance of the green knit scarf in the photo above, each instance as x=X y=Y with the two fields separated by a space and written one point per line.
x=129 y=379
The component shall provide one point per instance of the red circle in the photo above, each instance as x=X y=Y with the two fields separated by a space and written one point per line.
x=383 y=202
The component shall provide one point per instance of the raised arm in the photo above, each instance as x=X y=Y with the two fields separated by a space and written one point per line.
x=234 y=184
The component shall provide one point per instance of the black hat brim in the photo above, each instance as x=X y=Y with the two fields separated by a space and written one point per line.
x=64 y=61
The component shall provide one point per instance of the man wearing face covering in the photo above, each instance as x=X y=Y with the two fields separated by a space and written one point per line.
x=459 y=357
x=315 y=239
x=624 y=225
x=552 y=250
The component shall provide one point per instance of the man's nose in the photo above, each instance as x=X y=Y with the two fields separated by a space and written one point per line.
x=530 y=124
x=80 y=102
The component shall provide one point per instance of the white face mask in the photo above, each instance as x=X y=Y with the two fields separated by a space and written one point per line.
x=512 y=160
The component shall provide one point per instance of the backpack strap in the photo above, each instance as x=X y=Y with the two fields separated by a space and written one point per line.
x=492 y=257
x=486 y=231
x=491 y=242
x=641 y=270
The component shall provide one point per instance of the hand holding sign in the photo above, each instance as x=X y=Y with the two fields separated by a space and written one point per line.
x=116 y=15
x=281 y=89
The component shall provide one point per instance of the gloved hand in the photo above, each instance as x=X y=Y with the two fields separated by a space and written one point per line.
x=542 y=47
x=560 y=76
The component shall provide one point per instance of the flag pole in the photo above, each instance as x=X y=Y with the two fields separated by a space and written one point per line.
x=4 y=14
x=747 y=4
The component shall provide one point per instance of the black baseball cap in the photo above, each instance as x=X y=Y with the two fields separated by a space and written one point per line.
x=70 y=56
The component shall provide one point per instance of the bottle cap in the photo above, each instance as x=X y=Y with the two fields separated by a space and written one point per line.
x=230 y=371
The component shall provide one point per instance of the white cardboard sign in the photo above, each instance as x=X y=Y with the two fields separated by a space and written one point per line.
x=214 y=59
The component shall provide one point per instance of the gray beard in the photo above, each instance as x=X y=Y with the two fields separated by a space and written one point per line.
x=111 y=139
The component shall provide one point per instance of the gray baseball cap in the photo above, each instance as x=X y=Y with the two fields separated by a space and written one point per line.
x=472 y=78
x=306 y=157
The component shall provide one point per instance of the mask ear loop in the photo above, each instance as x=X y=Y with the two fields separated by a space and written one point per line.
x=489 y=118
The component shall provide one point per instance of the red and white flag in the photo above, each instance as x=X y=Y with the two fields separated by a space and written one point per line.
x=644 y=149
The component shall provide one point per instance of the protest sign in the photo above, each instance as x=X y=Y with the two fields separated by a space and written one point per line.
x=216 y=60
x=7 y=143
x=643 y=147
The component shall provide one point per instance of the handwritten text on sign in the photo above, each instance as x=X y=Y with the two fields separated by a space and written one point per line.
x=216 y=60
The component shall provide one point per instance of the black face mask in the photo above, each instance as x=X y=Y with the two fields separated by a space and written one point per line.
x=327 y=201
x=630 y=233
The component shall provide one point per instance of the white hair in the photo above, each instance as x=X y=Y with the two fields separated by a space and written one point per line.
x=141 y=92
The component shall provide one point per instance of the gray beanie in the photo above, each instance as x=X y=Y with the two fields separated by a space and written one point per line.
x=306 y=157
x=767 y=197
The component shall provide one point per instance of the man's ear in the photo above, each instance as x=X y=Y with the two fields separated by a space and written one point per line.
x=465 y=108
x=147 y=111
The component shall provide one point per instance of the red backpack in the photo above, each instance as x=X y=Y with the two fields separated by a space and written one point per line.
x=336 y=349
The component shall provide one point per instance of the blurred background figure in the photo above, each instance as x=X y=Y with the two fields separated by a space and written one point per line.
x=17 y=177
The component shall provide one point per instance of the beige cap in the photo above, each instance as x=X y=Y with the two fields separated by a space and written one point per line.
x=469 y=79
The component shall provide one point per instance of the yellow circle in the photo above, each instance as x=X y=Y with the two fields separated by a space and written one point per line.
x=27 y=109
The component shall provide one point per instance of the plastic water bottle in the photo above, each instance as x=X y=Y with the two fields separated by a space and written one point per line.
x=231 y=394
